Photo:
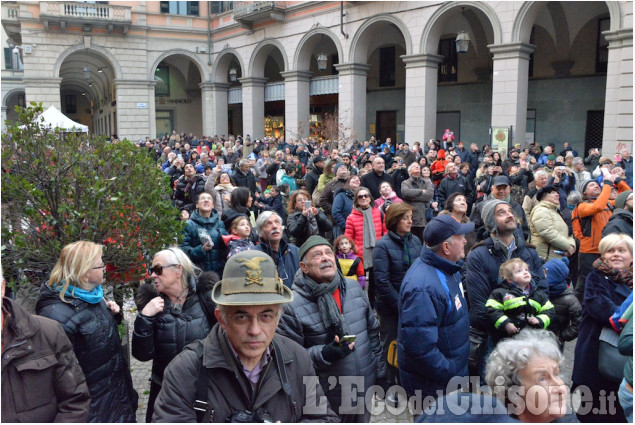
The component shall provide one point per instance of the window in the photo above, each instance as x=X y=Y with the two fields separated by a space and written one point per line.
x=221 y=6
x=189 y=8
x=334 y=61
x=387 y=66
x=71 y=104
x=530 y=131
x=10 y=58
x=162 y=77
x=602 y=49
x=531 y=55
x=448 y=68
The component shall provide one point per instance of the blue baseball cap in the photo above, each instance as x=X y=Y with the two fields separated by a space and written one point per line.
x=442 y=227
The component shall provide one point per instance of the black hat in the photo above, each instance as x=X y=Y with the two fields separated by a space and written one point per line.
x=501 y=181
x=318 y=159
x=229 y=215
x=544 y=191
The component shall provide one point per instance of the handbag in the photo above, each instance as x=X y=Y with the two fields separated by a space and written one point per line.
x=610 y=362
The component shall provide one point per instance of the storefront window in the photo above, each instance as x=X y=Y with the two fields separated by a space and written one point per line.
x=274 y=126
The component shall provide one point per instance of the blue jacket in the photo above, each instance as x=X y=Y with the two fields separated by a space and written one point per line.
x=287 y=259
x=342 y=207
x=214 y=259
x=391 y=263
x=483 y=264
x=434 y=326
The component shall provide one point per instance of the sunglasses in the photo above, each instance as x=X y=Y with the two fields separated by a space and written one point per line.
x=365 y=195
x=158 y=270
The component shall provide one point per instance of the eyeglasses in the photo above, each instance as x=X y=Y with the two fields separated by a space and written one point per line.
x=362 y=196
x=99 y=267
x=158 y=270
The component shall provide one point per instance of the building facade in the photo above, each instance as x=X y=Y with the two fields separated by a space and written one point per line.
x=544 y=71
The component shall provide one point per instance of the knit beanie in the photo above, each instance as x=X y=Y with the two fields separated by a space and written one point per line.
x=313 y=241
x=487 y=214
x=557 y=272
x=585 y=184
x=620 y=201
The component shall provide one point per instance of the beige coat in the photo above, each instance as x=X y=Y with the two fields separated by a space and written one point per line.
x=548 y=230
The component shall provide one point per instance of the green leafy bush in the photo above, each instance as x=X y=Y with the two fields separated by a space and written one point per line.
x=60 y=187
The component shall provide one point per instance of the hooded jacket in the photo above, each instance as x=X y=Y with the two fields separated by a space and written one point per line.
x=213 y=259
x=41 y=379
x=620 y=222
x=229 y=390
x=549 y=231
x=568 y=311
x=434 y=326
x=92 y=330
x=302 y=323
x=342 y=207
x=482 y=276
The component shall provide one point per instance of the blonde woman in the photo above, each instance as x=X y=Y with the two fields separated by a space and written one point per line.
x=74 y=297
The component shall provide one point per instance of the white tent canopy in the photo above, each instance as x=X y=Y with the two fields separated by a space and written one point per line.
x=55 y=118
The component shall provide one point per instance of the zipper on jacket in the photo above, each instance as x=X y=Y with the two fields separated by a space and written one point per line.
x=17 y=344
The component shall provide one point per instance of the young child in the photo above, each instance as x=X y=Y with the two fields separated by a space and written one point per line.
x=348 y=262
x=238 y=239
x=516 y=304
x=568 y=312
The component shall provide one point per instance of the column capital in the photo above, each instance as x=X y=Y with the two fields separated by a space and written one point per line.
x=296 y=75
x=212 y=85
x=511 y=50
x=619 y=38
x=134 y=83
x=42 y=82
x=422 y=60
x=253 y=81
x=353 y=68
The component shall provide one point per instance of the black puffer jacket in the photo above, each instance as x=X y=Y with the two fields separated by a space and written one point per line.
x=298 y=227
x=302 y=323
x=566 y=321
x=92 y=330
x=161 y=337
x=185 y=193
x=391 y=264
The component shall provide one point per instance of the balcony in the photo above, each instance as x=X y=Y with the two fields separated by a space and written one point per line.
x=247 y=13
x=11 y=21
x=86 y=15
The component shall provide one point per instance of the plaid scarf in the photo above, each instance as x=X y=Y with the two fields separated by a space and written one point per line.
x=619 y=276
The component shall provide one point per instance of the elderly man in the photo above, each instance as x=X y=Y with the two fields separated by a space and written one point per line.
x=244 y=177
x=284 y=254
x=434 y=327
x=326 y=307
x=417 y=192
x=243 y=371
x=375 y=178
x=501 y=189
x=454 y=182
x=580 y=173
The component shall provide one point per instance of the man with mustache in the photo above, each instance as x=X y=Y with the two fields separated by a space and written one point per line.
x=284 y=254
x=243 y=371
x=485 y=258
x=327 y=306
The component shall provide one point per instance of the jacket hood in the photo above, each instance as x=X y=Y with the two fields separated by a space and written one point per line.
x=203 y=221
x=432 y=259
x=21 y=322
x=557 y=273
x=622 y=214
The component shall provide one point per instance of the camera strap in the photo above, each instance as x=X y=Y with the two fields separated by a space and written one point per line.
x=282 y=372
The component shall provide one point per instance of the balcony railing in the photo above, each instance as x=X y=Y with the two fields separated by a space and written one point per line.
x=243 y=8
x=12 y=12
x=86 y=11
x=246 y=13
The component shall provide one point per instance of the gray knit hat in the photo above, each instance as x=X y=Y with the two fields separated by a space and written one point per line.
x=620 y=201
x=585 y=184
x=487 y=214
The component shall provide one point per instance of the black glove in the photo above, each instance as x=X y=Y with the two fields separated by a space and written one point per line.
x=618 y=180
x=334 y=351
x=608 y=182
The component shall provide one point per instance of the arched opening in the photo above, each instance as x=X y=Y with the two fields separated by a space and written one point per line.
x=177 y=96
x=87 y=91
x=229 y=114
x=268 y=63
x=13 y=99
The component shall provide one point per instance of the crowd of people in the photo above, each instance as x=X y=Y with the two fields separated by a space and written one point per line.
x=375 y=266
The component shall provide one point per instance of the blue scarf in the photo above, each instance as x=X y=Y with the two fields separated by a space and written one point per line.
x=91 y=297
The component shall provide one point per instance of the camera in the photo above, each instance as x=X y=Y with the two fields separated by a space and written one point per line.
x=247 y=416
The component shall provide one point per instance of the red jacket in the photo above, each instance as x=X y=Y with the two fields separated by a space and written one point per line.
x=355 y=225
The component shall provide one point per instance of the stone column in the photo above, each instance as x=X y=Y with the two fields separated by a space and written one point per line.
x=215 y=116
x=352 y=100
x=152 y=110
x=135 y=123
x=296 y=103
x=421 y=96
x=509 y=87
x=253 y=106
x=45 y=90
x=618 y=102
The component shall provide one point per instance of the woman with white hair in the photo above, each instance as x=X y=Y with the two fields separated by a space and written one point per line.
x=606 y=288
x=173 y=312
x=524 y=373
